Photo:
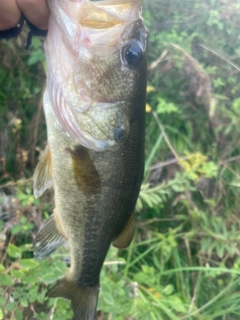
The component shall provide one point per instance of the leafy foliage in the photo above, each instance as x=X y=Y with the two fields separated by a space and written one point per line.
x=184 y=262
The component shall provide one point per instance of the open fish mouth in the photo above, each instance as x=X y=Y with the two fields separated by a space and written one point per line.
x=107 y=13
x=101 y=23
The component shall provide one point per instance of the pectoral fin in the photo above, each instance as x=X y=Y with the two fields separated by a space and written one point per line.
x=85 y=173
x=125 y=238
x=49 y=238
x=42 y=178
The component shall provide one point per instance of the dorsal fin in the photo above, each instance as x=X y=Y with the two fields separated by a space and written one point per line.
x=42 y=178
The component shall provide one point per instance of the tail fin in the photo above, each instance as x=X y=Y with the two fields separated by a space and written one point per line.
x=84 y=299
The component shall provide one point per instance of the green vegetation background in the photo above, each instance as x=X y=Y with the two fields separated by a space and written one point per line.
x=184 y=262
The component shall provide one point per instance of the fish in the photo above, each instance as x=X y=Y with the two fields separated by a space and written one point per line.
x=94 y=105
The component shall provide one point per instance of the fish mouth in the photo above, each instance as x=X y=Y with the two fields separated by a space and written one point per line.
x=108 y=13
x=102 y=22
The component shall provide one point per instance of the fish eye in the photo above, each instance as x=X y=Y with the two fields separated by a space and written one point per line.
x=132 y=54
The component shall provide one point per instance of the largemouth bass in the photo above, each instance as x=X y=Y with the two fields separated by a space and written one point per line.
x=95 y=111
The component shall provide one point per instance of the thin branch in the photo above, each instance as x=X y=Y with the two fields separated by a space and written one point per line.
x=201 y=73
x=221 y=57
x=166 y=163
x=194 y=296
x=165 y=136
x=51 y=315
x=155 y=63
x=111 y=263
x=158 y=220
x=235 y=158
x=233 y=171
x=36 y=123
x=12 y=184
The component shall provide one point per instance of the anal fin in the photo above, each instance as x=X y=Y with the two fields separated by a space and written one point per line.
x=42 y=178
x=126 y=236
x=48 y=239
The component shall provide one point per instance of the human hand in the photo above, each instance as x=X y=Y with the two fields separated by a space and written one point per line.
x=35 y=11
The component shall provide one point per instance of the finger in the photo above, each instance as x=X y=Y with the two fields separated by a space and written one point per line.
x=36 y=11
x=9 y=14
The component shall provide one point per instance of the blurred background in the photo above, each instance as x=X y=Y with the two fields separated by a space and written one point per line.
x=184 y=262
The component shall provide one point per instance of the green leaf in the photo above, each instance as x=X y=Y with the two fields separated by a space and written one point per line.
x=23 y=220
x=18 y=314
x=32 y=296
x=1 y=314
x=29 y=263
x=41 y=298
x=24 y=302
x=166 y=107
x=177 y=304
x=5 y=280
x=153 y=152
x=2 y=301
x=107 y=296
x=18 y=274
x=14 y=252
x=36 y=56
x=205 y=243
x=61 y=266
x=2 y=268
x=30 y=278
x=10 y=306
x=168 y=290
x=220 y=248
x=16 y=229
x=141 y=277
x=49 y=277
